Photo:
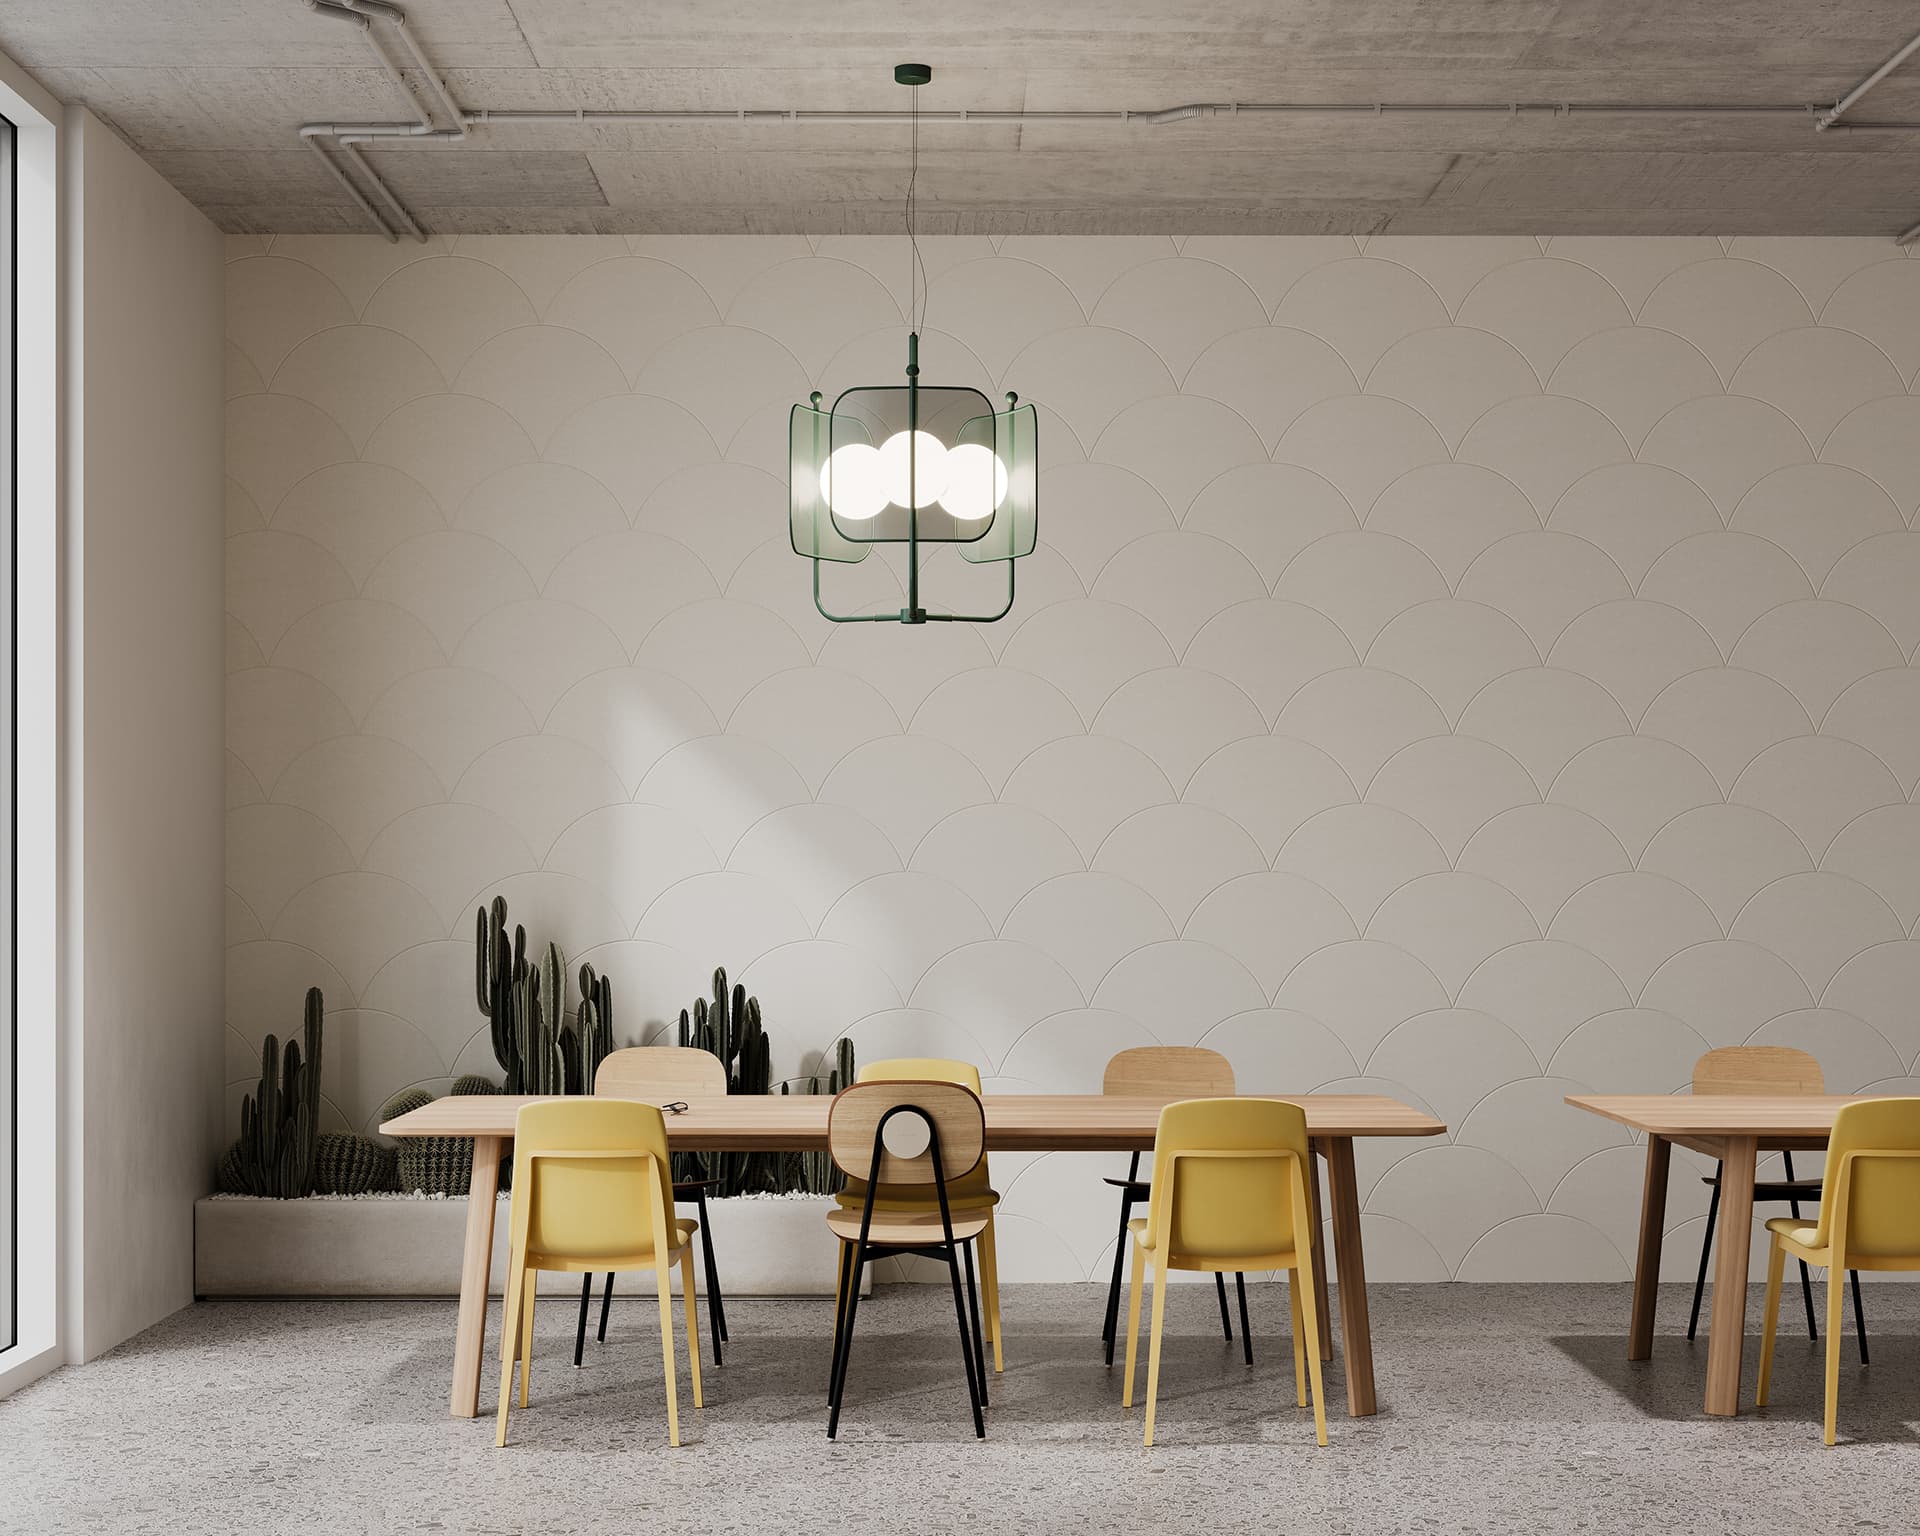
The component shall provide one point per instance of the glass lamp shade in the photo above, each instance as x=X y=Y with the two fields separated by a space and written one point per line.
x=927 y=465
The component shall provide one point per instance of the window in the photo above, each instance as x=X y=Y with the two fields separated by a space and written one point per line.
x=9 y=1042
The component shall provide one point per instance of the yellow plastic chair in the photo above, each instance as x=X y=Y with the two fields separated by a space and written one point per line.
x=1869 y=1219
x=592 y=1191
x=661 y=1074
x=1229 y=1193
x=970 y=1195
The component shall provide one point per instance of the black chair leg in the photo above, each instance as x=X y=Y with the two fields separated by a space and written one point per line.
x=968 y=1342
x=846 y=1345
x=716 y=1310
x=839 y=1317
x=1706 y=1251
x=580 y=1334
x=606 y=1302
x=1859 y=1315
x=979 y=1346
x=1113 y=1290
x=1220 y=1288
x=1246 y=1331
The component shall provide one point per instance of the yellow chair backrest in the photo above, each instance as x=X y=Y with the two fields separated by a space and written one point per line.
x=571 y=1198
x=1758 y=1069
x=661 y=1072
x=855 y=1121
x=921 y=1069
x=1223 y=1177
x=1873 y=1173
x=1187 y=1071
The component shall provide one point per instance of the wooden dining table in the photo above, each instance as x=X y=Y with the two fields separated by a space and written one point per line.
x=1735 y=1129
x=1015 y=1123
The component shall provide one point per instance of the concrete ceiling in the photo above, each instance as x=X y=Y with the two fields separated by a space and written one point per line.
x=212 y=92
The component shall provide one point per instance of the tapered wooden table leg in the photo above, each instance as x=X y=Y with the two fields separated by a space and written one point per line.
x=1323 y=1311
x=1729 y=1336
x=469 y=1337
x=1646 y=1268
x=1356 y=1334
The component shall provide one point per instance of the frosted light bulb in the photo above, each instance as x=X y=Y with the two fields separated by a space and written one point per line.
x=976 y=482
x=853 y=482
x=919 y=482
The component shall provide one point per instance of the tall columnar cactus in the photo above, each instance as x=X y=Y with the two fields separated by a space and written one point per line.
x=526 y=1007
x=729 y=1026
x=592 y=1027
x=280 y=1120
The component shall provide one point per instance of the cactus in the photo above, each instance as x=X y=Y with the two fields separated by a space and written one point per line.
x=434 y=1165
x=729 y=1025
x=526 y=1009
x=351 y=1165
x=280 y=1120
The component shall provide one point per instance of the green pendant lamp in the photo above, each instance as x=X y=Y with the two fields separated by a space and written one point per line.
x=914 y=464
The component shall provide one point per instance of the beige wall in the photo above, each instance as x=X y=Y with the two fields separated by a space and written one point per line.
x=144 y=732
x=1478 y=669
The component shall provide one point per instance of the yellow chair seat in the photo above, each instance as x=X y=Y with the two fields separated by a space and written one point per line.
x=560 y=1263
x=1233 y=1263
x=1794 y=1230
x=904 y=1229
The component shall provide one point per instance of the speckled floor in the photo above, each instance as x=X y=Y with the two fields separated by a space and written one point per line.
x=1503 y=1409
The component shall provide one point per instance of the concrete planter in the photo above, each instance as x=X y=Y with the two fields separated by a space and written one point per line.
x=396 y=1246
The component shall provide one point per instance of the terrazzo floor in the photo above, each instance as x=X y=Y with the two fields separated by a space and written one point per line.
x=1503 y=1409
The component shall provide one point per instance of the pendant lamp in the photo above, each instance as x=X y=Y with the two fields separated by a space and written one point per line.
x=913 y=464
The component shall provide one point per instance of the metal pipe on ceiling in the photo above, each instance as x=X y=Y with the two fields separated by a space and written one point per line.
x=346 y=183
x=359 y=11
x=1900 y=56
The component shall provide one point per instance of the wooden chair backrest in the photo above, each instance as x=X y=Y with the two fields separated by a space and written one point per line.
x=1761 y=1069
x=858 y=1111
x=661 y=1072
x=1190 y=1071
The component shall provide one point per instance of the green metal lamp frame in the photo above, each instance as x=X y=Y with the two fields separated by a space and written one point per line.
x=1011 y=526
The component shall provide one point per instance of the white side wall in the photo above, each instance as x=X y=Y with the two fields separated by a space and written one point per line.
x=144 y=733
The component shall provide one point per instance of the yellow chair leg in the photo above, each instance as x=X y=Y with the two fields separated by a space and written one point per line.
x=1770 y=1321
x=530 y=1290
x=1310 y=1318
x=1133 y=1321
x=990 y=1282
x=1153 y=1345
x=1836 y=1288
x=693 y=1319
x=1295 y=1278
x=666 y=1349
x=509 y=1347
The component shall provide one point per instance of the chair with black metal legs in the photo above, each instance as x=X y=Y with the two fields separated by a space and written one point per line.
x=660 y=1073
x=1190 y=1072
x=1771 y=1069
x=903 y=1138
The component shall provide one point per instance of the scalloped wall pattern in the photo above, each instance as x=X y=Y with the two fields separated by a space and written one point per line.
x=1478 y=669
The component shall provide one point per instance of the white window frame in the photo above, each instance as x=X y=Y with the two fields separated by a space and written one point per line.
x=38 y=1116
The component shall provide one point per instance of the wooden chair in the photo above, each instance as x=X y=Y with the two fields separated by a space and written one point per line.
x=866 y=1125
x=591 y=1191
x=663 y=1073
x=972 y=1194
x=1191 y=1071
x=1229 y=1192
x=1869 y=1219
x=1766 y=1069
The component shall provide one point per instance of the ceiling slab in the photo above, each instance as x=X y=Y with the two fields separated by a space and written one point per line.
x=212 y=92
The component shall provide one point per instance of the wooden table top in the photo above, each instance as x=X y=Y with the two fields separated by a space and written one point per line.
x=1719 y=1114
x=1061 y=1122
